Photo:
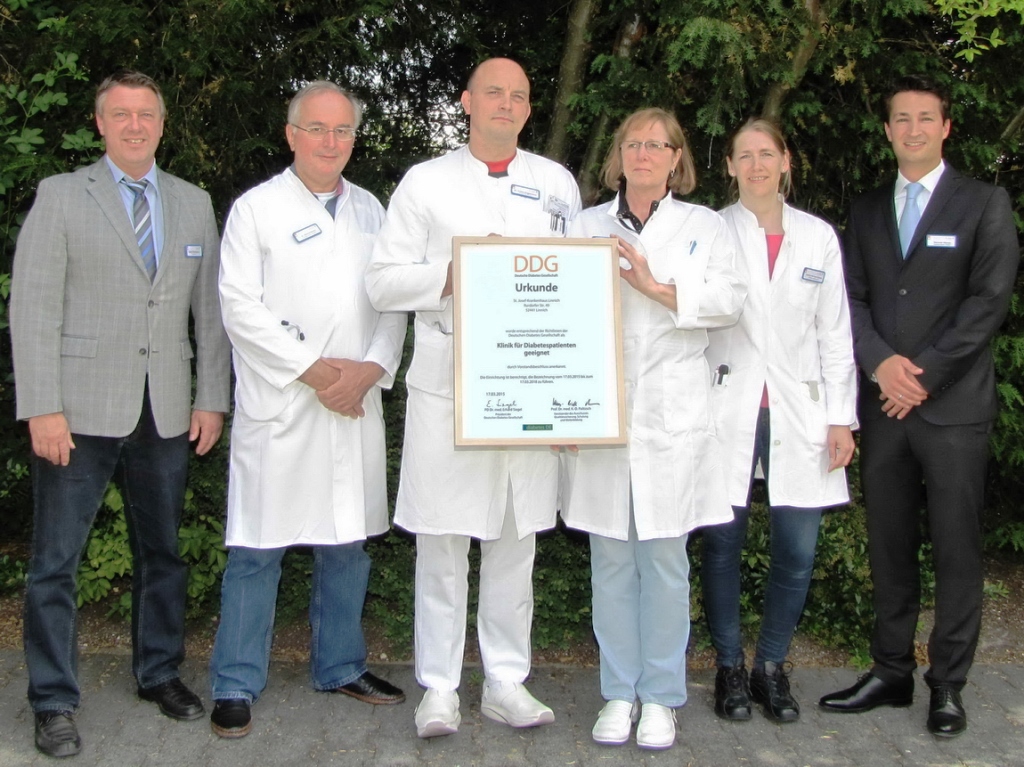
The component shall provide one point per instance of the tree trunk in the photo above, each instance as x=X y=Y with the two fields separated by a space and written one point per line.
x=570 y=76
x=590 y=184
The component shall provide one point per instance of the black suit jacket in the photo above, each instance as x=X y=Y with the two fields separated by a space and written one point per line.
x=942 y=305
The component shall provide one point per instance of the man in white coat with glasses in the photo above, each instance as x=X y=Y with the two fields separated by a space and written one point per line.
x=307 y=443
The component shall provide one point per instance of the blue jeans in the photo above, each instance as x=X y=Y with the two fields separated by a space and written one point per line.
x=241 y=652
x=794 y=538
x=151 y=473
x=641 y=617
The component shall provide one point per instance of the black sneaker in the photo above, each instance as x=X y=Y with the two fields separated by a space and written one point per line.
x=732 y=693
x=56 y=734
x=231 y=718
x=770 y=687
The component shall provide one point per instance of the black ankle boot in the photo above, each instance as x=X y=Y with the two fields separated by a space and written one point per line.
x=732 y=693
x=770 y=687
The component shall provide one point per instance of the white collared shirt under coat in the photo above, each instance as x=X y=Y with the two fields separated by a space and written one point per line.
x=795 y=335
x=672 y=462
x=300 y=473
x=444 y=490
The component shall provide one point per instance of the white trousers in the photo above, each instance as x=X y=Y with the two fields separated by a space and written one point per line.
x=504 y=614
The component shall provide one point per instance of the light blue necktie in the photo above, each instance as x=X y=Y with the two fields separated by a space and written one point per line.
x=911 y=216
x=142 y=220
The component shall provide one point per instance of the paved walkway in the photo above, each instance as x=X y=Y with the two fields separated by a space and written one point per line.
x=293 y=725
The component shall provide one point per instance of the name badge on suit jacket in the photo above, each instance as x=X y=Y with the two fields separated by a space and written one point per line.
x=941 y=240
x=193 y=251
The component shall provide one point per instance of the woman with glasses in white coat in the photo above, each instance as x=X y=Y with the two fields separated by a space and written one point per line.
x=639 y=502
x=784 y=396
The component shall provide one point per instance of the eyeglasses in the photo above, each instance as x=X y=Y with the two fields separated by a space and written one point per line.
x=319 y=133
x=651 y=146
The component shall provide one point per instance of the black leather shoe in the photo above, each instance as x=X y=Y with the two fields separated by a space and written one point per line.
x=56 y=734
x=869 y=692
x=371 y=689
x=732 y=694
x=770 y=687
x=231 y=718
x=175 y=700
x=946 y=715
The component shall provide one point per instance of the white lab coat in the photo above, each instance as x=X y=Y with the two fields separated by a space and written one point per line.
x=299 y=473
x=795 y=334
x=672 y=462
x=444 y=490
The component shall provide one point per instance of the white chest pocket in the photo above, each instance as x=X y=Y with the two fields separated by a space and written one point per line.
x=803 y=285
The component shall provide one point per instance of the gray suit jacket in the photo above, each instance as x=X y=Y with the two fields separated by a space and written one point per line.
x=88 y=326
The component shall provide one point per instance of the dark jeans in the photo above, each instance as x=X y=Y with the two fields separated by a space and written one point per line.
x=151 y=473
x=794 y=538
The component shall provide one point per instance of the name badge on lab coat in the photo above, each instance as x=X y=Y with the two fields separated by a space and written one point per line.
x=526 y=191
x=307 y=233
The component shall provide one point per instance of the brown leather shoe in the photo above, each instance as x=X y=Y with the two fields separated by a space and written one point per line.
x=371 y=689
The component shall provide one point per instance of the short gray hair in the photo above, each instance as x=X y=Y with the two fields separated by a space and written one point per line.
x=129 y=79
x=321 y=86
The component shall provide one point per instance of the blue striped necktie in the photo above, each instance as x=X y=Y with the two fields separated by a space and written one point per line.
x=911 y=216
x=142 y=220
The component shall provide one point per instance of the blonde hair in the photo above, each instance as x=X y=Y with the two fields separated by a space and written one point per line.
x=683 y=178
x=772 y=131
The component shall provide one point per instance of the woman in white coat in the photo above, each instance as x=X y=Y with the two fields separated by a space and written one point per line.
x=639 y=502
x=784 y=397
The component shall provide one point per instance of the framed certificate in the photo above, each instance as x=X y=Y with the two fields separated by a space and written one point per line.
x=538 y=342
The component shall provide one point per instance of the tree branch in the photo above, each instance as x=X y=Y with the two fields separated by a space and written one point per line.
x=801 y=59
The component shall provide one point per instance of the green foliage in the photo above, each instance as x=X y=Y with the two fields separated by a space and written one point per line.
x=105 y=569
x=969 y=20
x=390 y=592
x=562 y=594
x=12 y=574
x=107 y=557
x=1008 y=536
x=296 y=579
x=228 y=69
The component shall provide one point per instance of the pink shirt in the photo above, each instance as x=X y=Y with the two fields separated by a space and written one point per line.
x=774 y=246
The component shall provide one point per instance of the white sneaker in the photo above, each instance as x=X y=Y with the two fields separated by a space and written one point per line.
x=438 y=714
x=511 y=703
x=657 y=728
x=615 y=722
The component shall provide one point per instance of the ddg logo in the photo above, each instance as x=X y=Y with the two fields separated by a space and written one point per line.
x=532 y=264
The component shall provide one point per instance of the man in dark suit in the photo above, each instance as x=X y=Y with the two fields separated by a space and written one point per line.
x=110 y=263
x=930 y=263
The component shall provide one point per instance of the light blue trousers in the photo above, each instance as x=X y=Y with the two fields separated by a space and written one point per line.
x=641 y=617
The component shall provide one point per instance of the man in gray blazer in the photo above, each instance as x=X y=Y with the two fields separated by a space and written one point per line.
x=109 y=262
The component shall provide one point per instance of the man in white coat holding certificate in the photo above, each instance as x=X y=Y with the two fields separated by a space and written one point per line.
x=500 y=496
x=311 y=356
